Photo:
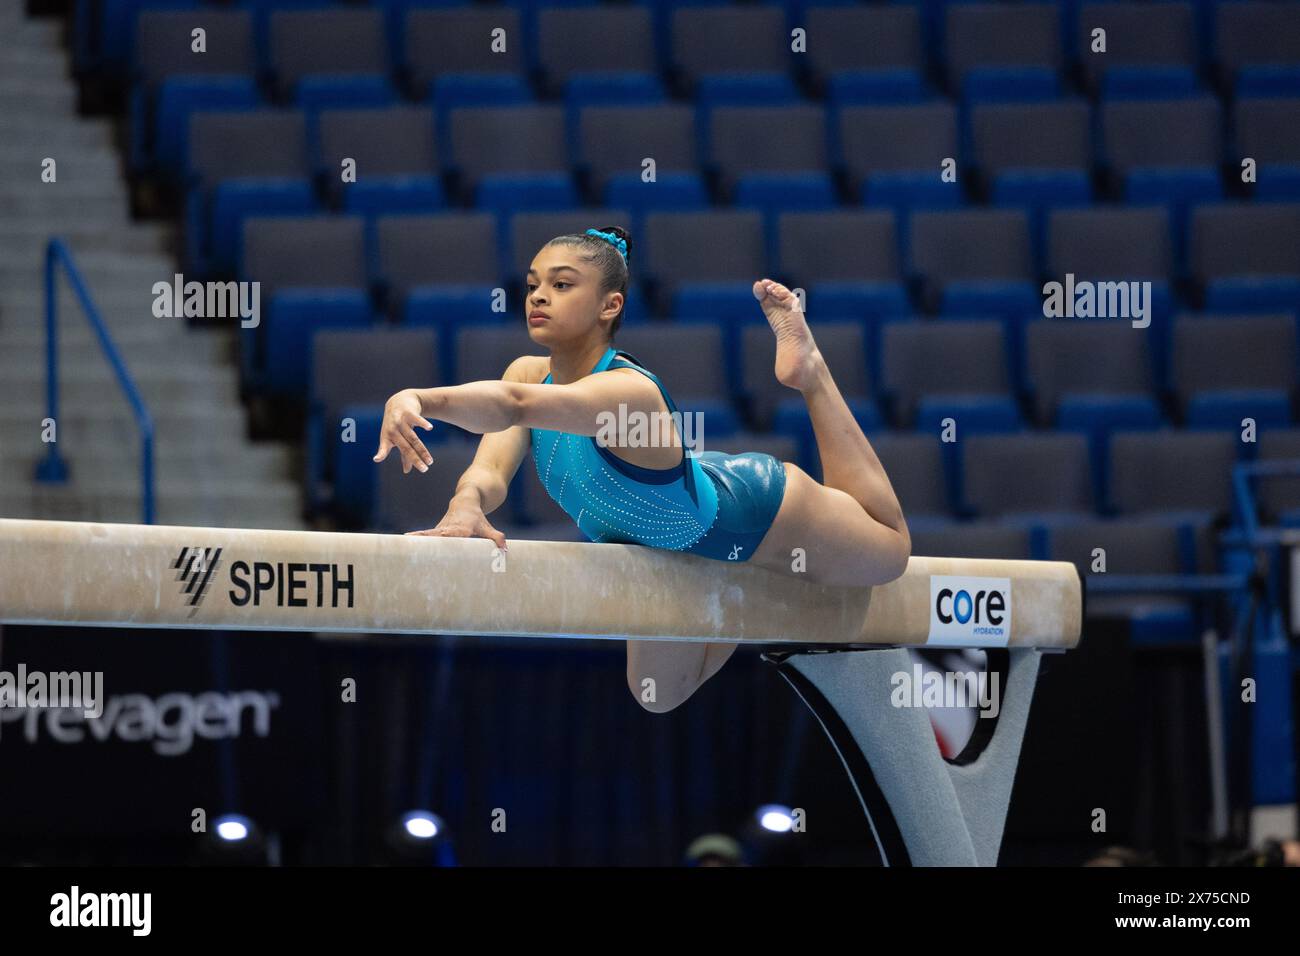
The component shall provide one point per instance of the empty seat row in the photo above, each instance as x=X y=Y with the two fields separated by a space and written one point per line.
x=849 y=264
x=867 y=141
x=983 y=45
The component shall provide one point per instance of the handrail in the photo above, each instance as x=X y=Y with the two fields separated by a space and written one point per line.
x=1244 y=497
x=53 y=469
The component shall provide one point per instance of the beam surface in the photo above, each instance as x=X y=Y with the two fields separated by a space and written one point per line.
x=72 y=572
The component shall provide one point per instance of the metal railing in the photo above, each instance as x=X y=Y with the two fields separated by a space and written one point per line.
x=53 y=470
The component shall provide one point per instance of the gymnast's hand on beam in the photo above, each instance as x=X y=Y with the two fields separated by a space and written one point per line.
x=402 y=413
x=464 y=521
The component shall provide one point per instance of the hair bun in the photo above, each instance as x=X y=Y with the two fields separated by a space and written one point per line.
x=622 y=239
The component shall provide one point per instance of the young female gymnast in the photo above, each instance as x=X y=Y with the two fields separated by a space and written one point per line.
x=750 y=507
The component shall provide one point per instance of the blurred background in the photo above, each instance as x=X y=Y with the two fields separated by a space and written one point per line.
x=917 y=170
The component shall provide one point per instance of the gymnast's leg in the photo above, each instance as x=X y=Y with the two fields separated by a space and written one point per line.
x=677 y=669
x=851 y=528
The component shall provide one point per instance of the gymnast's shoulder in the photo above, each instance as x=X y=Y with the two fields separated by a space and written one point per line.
x=531 y=369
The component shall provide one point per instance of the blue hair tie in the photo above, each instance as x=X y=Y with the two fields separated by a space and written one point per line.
x=619 y=244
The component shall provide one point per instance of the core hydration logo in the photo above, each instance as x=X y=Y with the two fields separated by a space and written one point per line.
x=968 y=611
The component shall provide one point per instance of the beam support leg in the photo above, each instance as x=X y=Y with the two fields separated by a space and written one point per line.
x=924 y=810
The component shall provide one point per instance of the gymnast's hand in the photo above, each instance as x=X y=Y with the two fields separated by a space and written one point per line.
x=465 y=521
x=402 y=413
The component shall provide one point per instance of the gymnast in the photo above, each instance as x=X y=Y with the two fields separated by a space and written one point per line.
x=750 y=507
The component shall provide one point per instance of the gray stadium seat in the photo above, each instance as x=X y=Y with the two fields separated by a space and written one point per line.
x=329 y=42
x=456 y=247
x=1241 y=352
x=715 y=246
x=852 y=38
x=936 y=358
x=385 y=142
x=163 y=44
x=264 y=143
x=577 y=40
x=855 y=245
x=418 y=500
x=305 y=252
x=986 y=34
x=1162 y=133
x=484 y=352
x=1275 y=495
x=974 y=244
x=1137 y=34
x=686 y=357
x=1132 y=243
x=366 y=366
x=1036 y=473
x=726 y=39
x=1031 y=136
x=1131 y=546
x=508 y=139
x=1256 y=34
x=616 y=140
x=980 y=539
x=439 y=42
x=1084 y=357
x=1171 y=470
x=1266 y=130
x=842 y=344
x=887 y=139
x=914 y=464
x=742 y=141
x=1243 y=239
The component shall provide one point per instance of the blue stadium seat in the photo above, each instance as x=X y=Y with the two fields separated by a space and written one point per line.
x=178 y=98
x=354 y=470
x=293 y=316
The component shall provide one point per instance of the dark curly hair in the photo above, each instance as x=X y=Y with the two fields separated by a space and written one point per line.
x=607 y=258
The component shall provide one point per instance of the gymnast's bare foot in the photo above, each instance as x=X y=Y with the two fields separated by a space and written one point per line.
x=798 y=359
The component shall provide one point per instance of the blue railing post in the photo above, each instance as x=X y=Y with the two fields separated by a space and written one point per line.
x=54 y=470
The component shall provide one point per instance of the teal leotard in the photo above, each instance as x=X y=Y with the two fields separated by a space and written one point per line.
x=711 y=504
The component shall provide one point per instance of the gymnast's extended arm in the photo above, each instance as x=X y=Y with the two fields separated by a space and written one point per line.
x=576 y=408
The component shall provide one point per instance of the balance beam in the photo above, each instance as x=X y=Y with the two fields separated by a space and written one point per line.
x=840 y=649
x=71 y=572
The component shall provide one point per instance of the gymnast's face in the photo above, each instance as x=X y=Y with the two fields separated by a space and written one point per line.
x=563 y=300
